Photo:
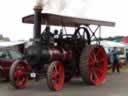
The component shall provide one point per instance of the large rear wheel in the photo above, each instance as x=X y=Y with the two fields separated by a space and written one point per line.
x=93 y=64
x=18 y=74
x=55 y=75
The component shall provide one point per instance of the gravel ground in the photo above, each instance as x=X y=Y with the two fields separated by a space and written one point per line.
x=116 y=85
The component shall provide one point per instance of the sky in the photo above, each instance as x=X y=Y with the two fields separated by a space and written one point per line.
x=12 y=12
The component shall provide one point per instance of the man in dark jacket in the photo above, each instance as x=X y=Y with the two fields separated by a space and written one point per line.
x=115 y=65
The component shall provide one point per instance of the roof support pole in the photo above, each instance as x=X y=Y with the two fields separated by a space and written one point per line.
x=98 y=28
x=99 y=34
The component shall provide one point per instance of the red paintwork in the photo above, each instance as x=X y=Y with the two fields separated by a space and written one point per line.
x=67 y=55
x=58 y=76
x=97 y=65
x=5 y=66
x=57 y=54
x=125 y=40
x=20 y=77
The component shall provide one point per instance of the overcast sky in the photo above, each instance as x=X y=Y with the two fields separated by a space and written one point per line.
x=12 y=12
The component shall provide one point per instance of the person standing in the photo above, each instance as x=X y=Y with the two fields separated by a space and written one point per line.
x=126 y=57
x=115 y=65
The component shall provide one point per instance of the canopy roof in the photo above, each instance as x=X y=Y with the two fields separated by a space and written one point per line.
x=106 y=43
x=10 y=43
x=58 y=20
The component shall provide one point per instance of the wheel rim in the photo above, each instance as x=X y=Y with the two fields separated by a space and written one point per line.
x=97 y=65
x=56 y=76
x=20 y=77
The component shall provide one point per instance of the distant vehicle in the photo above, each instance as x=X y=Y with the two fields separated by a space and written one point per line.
x=9 y=52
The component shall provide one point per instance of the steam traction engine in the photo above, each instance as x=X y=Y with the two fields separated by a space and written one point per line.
x=59 y=56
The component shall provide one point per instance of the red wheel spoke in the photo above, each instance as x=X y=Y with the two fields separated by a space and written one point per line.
x=55 y=68
x=59 y=70
x=92 y=56
x=18 y=73
x=102 y=60
x=92 y=59
x=95 y=76
x=99 y=72
x=54 y=74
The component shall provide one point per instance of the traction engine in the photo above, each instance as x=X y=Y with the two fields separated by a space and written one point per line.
x=58 y=56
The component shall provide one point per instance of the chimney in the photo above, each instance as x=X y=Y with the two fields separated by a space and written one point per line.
x=37 y=19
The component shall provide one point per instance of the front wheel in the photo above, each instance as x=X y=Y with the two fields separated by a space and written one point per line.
x=55 y=75
x=18 y=74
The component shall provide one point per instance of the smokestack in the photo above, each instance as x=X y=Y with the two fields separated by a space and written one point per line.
x=37 y=18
